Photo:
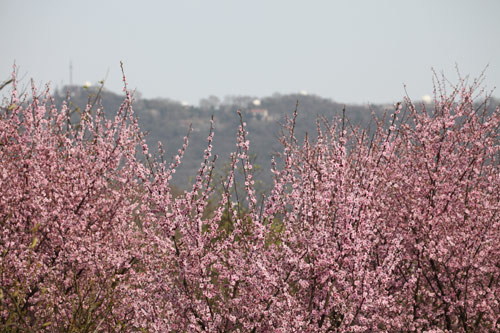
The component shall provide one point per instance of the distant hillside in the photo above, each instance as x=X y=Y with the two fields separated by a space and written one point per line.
x=168 y=121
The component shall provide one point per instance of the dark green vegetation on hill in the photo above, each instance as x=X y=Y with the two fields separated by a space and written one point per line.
x=168 y=121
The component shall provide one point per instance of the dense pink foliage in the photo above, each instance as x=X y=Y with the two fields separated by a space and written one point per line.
x=394 y=230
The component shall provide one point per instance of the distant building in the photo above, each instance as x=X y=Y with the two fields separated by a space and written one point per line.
x=259 y=114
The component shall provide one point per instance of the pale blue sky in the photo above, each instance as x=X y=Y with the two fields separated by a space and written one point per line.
x=350 y=51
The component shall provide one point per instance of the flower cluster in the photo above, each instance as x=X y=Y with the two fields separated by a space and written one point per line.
x=389 y=228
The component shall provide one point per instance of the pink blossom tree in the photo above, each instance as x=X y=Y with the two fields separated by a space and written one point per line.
x=69 y=196
x=394 y=229
x=439 y=197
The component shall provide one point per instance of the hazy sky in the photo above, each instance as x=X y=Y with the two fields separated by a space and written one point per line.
x=351 y=51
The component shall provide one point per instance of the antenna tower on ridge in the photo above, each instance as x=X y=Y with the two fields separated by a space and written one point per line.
x=70 y=73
